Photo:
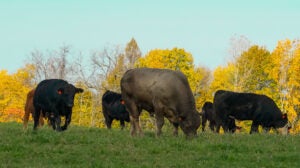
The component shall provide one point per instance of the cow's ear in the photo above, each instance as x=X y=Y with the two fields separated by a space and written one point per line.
x=284 y=116
x=78 y=90
x=60 y=91
x=122 y=101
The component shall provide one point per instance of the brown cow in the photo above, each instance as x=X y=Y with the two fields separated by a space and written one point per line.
x=29 y=108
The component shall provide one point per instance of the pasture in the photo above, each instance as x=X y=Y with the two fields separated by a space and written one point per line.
x=95 y=147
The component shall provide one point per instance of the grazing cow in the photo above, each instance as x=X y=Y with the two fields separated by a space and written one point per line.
x=261 y=109
x=208 y=114
x=113 y=108
x=55 y=96
x=29 y=109
x=166 y=93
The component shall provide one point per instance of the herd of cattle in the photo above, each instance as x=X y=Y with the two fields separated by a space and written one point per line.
x=164 y=94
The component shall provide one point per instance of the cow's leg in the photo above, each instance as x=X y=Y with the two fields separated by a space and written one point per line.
x=211 y=126
x=57 y=123
x=67 y=121
x=225 y=126
x=218 y=126
x=254 y=127
x=26 y=118
x=106 y=113
x=134 y=118
x=159 y=123
x=36 y=117
x=204 y=120
x=122 y=123
x=41 y=120
x=56 y=120
x=266 y=129
x=51 y=119
x=231 y=125
x=108 y=122
x=175 y=131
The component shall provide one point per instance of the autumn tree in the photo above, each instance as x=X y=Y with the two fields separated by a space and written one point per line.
x=238 y=44
x=223 y=78
x=202 y=80
x=175 y=59
x=179 y=59
x=132 y=54
x=285 y=72
x=13 y=91
x=247 y=73
x=294 y=84
x=253 y=75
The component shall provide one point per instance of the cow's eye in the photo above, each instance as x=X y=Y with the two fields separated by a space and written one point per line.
x=60 y=92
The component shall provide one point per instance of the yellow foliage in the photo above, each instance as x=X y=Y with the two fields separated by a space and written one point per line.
x=179 y=59
x=286 y=73
x=12 y=95
x=175 y=59
x=223 y=78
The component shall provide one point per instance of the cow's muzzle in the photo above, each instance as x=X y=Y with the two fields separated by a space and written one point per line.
x=285 y=129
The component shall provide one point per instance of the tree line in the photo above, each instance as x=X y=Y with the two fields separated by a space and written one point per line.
x=252 y=68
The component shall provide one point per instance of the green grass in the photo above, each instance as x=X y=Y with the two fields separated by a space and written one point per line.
x=94 y=147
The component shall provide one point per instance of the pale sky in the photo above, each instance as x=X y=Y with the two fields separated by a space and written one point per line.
x=203 y=28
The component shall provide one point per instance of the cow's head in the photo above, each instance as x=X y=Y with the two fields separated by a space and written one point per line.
x=189 y=124
x=67 y=94
x=283 y=125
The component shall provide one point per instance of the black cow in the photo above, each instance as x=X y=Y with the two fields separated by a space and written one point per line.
x=208 y=114
x=166 y=93
x=113 y=108
x=261 y=109
x=55 y=96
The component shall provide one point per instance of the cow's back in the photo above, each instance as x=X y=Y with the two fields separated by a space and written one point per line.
x=110 y=96
x=146 y=84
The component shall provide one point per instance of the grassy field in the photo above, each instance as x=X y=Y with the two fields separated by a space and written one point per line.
x=94 y=147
